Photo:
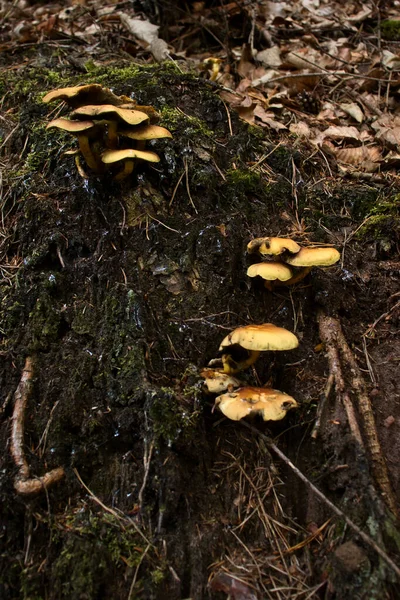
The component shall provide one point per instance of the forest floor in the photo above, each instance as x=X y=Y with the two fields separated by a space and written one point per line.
x=116 y=295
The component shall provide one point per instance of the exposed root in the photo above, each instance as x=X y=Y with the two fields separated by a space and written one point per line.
x=23 y=483
x=341 y=360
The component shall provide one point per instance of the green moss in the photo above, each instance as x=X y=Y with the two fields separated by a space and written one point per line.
x=96 y=550
x=186 y=125
x=390 y=30
x=173 y=415
x=243 y=181
x=44 y=323
x=383 y=222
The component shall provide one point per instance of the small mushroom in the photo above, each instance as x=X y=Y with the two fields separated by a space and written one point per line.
x=76 y=96
x=272 y=405
x=307 y=258
x=217 y=381
x=271 y=272
x=81 y=129
x=112 y=116
x=255 y=339
x=127 y=156
x=273 y=246
x=146 y=132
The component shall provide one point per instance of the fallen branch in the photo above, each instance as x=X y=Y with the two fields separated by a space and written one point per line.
x=23 y=483
x=366 y=538
x=339 y=352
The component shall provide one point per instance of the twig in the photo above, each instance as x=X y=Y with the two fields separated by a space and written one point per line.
x=146 y=461
x=332 y=335
x=185 y=162
x=366 y=538
x=321 y=406
x=23 y=483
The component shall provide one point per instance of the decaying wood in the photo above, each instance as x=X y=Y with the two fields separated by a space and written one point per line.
x=341 y=360
x=23 y=483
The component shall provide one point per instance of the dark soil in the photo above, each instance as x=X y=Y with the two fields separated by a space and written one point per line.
x=123 y=295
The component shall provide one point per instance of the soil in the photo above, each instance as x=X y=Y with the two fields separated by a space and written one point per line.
x=122 y=294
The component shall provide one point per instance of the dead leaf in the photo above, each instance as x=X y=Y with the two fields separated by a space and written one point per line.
x=271 y=57
x=353 y=110
x=357 y=156
x=341 y=133
x=268 y=118
x=300 y=129
x=387 y=129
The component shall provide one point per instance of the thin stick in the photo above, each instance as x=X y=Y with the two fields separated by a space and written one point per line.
x=366 y=538
x=23 y=483
x=321 y=406
x=185 y=162
x=146 y=461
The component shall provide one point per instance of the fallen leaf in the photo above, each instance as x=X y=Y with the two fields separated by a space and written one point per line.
x=268 y=118
x=271 y=57
x=301 y=129
x=388 y=130
x=353 y=110
x=356 y=156
x=341 y=133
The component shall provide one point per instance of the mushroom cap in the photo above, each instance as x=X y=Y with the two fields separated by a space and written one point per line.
x=271 y=404
x=146 y=132
x=112 y=156
x=261 y=337
x=132 y=117
x=314 y=257
x=217 y=381
x=75 y=96
x=71 y=126
x=270 y=271
x=272 y=245
x=151 y=112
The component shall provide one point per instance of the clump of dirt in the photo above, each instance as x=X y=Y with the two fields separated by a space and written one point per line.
x=122 y=294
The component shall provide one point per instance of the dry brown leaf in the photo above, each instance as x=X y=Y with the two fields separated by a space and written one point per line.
x=301 y=129
x=271 y=57
x=359 y=155
x=387 y=129
x=268 y=118
x=353 y=110
x=341 y=133
x=247 y=114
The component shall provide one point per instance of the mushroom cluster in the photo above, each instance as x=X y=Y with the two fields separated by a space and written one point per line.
x=287 y=253
x=110 y=129
x=240 y=349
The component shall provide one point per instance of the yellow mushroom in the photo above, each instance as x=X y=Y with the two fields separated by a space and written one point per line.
x=112 y=116
x=217 y=381
x=271 y=404
x=79 y=95
x=307 y=258
x=255 y=339
x=273 y=246
x=271 y=272
x=82 y=130
x=127 y=157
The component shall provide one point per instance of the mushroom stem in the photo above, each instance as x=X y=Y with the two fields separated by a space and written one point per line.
x=231 y=366
x=127 y=170
x=87 y=153
x=112 y=135
x=296 y=278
